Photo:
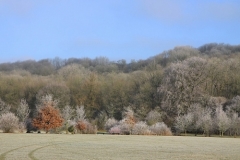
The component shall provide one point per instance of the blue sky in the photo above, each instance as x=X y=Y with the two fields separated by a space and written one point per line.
x=117 y=29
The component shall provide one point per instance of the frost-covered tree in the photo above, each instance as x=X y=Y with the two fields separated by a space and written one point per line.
x=23 y=111
x=234 y=119
x=195 y=110
x=67 y=114
x=222 y=121
x=183 y=85
x=205 y=121
x=80 y=113
x=183 y=122
x=8 y=122
x=46 y=100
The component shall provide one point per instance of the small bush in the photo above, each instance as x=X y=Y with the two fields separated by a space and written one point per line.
x=141 y=128
x=81 y=126
x=115 y=130
x=90 y=129
x=86 y=128
x=125 y=128
x=71 y=129
x=161 y=128
x=8 y=122
x=111 y=122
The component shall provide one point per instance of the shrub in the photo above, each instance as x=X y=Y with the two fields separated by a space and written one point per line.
x=8 y=122
x=115 y=130
x=86 y=128
x=72 y=126
x=90 y=129
x=141 y=128
x=71 y=129
x=111 y=122
x=161 y=128
x=81 y=126
x=125 y=128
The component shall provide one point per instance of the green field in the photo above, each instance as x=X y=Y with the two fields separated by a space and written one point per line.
x=106 y=147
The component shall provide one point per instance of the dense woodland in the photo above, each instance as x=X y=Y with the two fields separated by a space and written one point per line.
x=184 y=85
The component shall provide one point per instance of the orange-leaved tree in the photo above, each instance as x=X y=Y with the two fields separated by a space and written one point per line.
x=48 y=118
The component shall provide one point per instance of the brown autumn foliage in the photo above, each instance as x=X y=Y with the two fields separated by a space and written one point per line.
x=48 y=118
x=81 y=126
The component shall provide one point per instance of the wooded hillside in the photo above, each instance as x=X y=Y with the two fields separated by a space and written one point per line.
x=172 y=83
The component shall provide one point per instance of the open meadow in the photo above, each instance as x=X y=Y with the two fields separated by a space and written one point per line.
x=105 y=147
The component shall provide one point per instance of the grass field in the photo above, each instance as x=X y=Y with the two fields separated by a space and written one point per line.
x=111 y=147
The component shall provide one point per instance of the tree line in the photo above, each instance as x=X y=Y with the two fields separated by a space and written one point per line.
x=176 y=84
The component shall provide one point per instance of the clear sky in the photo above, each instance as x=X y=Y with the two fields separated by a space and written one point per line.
x=117 y=29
